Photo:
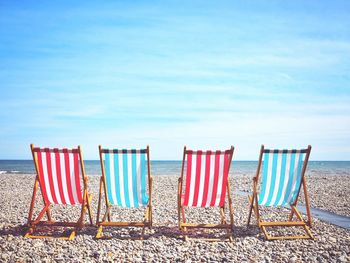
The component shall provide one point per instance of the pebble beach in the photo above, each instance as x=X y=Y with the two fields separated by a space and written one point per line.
x=163 y=243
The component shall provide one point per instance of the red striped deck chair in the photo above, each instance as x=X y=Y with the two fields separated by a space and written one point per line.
x=58 y=174
x=127 y=183
x=204 y=183
x=283 y=175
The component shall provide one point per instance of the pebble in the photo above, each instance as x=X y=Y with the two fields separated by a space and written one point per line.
x=332 y=239
x=344 y=259
x=292 y=260
x=164 y=243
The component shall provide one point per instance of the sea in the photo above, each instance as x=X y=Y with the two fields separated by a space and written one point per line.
x=173 y=168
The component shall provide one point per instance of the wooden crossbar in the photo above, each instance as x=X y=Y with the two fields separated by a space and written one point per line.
x=285 y=151
x=281 y=223
x=191 y=225
x=121 y=151
x=69 y=237
x=269 y=237
x=206 y=152
x=51 y=150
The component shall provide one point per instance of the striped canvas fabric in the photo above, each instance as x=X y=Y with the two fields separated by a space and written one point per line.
x=59 y=175
x=281 y=176
x=206 y=178
x=126 y=177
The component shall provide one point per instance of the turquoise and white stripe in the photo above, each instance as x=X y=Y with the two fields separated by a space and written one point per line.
x=281 y=177
x=126 y=177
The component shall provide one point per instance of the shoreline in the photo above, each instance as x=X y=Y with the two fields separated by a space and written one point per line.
x=163 y=242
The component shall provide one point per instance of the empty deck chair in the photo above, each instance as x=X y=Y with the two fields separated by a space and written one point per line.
x=204 y=183
x=126 y=182
x=283 y=176
x=58 y=174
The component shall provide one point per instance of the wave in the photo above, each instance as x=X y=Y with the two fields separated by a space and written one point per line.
x=10 y=172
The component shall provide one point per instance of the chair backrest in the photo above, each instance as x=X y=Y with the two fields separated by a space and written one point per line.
x=206 y=177
x=59 y=174
x=126 y=174
x=282 y=176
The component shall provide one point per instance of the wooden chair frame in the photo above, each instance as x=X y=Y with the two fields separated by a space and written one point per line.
x=106 y=219
x=85 y=206
x=254 y=206
x=183 y=225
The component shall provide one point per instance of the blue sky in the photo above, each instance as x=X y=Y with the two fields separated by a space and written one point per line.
x=206 y=74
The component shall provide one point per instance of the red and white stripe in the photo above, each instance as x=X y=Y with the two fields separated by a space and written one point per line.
x=59 y=175
x=206 y=178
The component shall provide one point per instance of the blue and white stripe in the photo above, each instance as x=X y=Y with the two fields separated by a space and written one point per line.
x=126 y=177
x=281 y=177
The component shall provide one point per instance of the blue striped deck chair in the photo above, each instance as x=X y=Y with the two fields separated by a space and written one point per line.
x=126 y=182
x=283 y=175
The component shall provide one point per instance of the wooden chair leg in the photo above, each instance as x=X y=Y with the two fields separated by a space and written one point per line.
x=30 y=215
x=183 y=214
x=184 y=229
x=99 y=203
x=179 y=216
x=185 y=233
x=307 y=230
x=72 y=235
x=143 y=233
x=231 y=215
x=109 y=217
x=231 y=222
x=151 y=217
x=48 y=213
x=84 y=207
x=251 y=200
x=223 y=221
x=89 y=208
x=307 y=203
x=99 y=232
x=222 y=214
x=267 y=236
x=106 y=214
x=146 y=221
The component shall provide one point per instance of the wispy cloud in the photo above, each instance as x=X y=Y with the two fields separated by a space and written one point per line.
x=167 y=74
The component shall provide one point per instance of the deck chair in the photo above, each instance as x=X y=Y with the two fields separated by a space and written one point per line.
x=125 y=174
x=204 y=183
x=283 y=176
x=58 y=176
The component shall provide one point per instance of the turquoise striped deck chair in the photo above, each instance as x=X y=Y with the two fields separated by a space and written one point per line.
x=125 y=182
x=283 y=175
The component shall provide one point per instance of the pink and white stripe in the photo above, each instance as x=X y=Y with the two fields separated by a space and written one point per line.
x=206 y=178
x=59 y=178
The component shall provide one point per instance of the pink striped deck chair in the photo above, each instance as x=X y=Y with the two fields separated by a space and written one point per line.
x=204 y=183
x=58 y=174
